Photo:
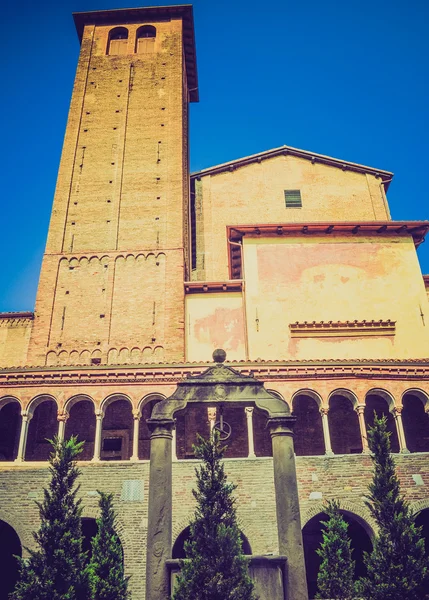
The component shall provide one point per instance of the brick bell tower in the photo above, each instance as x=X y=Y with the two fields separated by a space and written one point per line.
x=111 y=284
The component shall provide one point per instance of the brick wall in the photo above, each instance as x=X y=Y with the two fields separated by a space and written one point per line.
x=342 y=477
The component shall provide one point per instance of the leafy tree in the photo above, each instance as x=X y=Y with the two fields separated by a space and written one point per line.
x=397 y=567
x=56 y=570
x=215 y=568
x=335 y=577
x=105 y=569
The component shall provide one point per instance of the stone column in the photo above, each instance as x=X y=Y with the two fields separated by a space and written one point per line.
x=400 y=429
x=62 y=419
x=136 y=424
x=326 y=434
x=97 y=440
x=360 y=409
x=287 y=506
x=211 y=414
x=26 y=418
x=159 y=527
x=249 y=418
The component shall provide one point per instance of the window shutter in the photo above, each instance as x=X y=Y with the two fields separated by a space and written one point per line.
x=293 y=199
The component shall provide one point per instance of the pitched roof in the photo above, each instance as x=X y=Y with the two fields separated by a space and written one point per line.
x=385 y=176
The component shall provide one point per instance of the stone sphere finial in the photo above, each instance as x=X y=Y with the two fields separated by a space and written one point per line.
x=219 y=355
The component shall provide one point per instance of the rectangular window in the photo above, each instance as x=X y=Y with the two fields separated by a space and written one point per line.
x=293 y=199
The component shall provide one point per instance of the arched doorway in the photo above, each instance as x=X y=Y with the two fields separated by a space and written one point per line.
x=416 y=423
x=312 y=538
x=344 y=426
x=179 y=545
x=144 y=431
x=308 y=438
x=422 y=520
x=81 y=422
x=10 y=428
x=118 y=430
x=43 y=427
x=377 y=404
x=10 y=546
x=89 y=531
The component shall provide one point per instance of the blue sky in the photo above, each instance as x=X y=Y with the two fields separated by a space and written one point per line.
x=345 y=79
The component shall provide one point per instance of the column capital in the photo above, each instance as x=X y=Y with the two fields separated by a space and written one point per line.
x=161 y=428
x=323 y=410
x=99 y=414
x=26 y=416
x=281 y=425
x=249 y=411
x=397 y=410
x=137 y=414
x=360 y=409
x=63 y=416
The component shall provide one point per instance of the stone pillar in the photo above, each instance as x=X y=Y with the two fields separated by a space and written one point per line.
x=360 y=409
x=62 y=420
x=249 y=419
x=211 y=415
x=26 y=418
x=159 y=528
x=400 y=429
x=287 y=506
x=174 y=444
x=326 y=434
x=136 y=417
x=97 y=440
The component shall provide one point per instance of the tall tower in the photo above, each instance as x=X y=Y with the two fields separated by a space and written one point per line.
x=111 y=285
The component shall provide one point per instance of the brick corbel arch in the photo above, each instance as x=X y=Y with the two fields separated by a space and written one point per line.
x=418 y=506
x=25 y=537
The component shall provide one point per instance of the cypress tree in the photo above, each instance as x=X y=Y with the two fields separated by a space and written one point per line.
x=106 y=569
x=397 y=567
x=335 y=577
x=215 y=568
x=56 y=570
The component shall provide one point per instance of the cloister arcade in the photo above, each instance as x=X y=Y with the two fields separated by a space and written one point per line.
x=116 y=427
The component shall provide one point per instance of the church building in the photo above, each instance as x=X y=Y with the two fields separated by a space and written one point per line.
x=288 y=261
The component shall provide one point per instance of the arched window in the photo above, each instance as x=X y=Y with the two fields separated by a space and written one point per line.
x=179 y=545
x=145 y=39
x=118 y=41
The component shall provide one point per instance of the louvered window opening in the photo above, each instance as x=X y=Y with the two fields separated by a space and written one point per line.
x=293 y=199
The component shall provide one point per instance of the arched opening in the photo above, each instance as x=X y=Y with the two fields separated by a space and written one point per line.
x=416 y=424
x=118 y=41
x=312 y=538
x=10 y=429
x=81 y=422
x=261 y=433
x=191 y=421
x=10 y=546
x=89 y=531
x=144 y=431
x=422 y=520
x=42 y=428
x=378 y=405
x=179 y=545
x=344 y=426
x=308 y=428
x=117 y=434
x=145 y=39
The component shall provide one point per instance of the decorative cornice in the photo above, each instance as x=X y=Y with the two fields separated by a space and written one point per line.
x=17 y=315
x=417 y=369
x=385 y=176
x=426 y=280
x=342 y=328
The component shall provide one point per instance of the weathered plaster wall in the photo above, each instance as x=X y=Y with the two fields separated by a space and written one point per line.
x=254 y=194
x=334 y=279
x=215 y=321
